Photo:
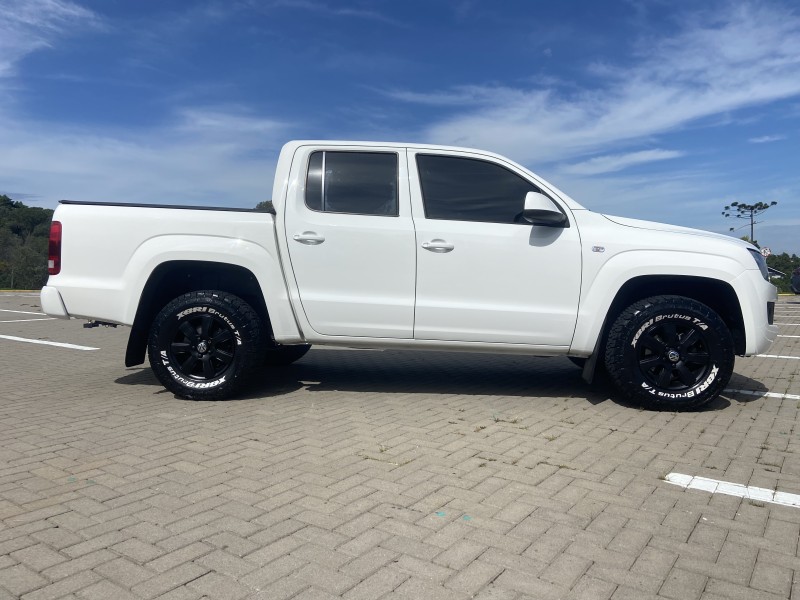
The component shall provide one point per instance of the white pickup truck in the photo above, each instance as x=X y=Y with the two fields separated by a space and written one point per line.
x=382 y=245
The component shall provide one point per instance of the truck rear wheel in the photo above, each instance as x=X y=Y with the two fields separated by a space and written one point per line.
x=205 y=345
x=670 y=352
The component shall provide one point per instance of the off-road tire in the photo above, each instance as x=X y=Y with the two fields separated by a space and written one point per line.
x=205 y=345
x=280 y=356
x=670 y=353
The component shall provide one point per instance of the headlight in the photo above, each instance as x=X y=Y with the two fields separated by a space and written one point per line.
x=760 y=261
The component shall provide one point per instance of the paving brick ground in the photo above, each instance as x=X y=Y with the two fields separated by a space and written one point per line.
x=366 y=475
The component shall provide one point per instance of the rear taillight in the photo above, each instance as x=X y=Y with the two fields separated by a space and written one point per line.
x=54 y=254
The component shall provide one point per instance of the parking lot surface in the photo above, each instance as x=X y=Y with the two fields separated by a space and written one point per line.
x=397 y=475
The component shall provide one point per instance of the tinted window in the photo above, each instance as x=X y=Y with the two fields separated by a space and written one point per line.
x=363 y=183
x=465 y=189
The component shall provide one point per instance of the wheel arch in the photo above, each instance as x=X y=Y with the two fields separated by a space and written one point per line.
x=173 y=278
x=716 y=294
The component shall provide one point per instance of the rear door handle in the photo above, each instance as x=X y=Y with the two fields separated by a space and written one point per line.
x=309 y=238
x=438 y=246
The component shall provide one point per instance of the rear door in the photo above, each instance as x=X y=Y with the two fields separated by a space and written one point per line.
x=351 y=241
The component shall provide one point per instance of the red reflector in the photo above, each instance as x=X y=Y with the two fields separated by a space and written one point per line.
x=54 y=254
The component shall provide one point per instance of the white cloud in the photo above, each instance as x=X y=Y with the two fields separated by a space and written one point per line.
x=202 y=155
x=717 y=62
x=226 y=121
x=618 y=162
x=207 y=156
x=329 y=10
x=765 y=139
x=468 y=95
x=28 y=25
x=693 y=198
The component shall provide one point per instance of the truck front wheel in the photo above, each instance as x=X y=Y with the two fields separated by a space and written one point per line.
x=670 y=352
x=205 y=345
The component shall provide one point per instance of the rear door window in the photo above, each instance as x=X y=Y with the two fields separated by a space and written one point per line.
x=361 y=183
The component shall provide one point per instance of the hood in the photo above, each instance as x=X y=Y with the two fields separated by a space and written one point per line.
x=653 y=226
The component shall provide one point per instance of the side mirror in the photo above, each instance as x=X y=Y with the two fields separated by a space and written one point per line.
x=540 y=210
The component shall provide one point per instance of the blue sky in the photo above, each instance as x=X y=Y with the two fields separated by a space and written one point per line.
x=651 y=109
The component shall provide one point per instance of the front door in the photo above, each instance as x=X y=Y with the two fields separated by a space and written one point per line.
x=483 y=273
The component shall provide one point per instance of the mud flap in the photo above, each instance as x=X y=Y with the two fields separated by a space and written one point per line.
x=590 y=367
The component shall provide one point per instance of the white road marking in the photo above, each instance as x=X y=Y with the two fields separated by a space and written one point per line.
x=790 y=336
x=788 y=324
x=28 y=320
x=21 y=312
x=765 y=394
x=715 y=486
x=46 y=343
x=778 y=356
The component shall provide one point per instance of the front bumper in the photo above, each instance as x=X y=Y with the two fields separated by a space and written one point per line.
x=761 y=330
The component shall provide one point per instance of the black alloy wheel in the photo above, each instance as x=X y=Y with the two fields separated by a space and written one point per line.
x=670 y=352
x=205 y=345
x=674 y=355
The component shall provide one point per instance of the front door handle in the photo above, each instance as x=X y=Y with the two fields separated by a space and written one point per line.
x=309 y=238
x=438 y=246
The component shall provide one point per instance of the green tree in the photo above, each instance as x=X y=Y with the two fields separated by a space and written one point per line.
x=24 y=233
x=784 y=263
x=749 y=212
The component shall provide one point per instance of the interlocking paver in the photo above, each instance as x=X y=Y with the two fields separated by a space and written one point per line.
x=772 y=578
x=384 y=475
x=494 y=593
x=38 y=557
x=218 y=586
x=103 y=590
x=315 y=594
x=525 y=583
x=474 y=577
x=181 y=593
x=169 y=580
x=137 y=550
x=76 y=565
x=738 y=592
x=124 y=572
x=178 y=557
x=683 y=585
x=566 y=570
x=20 y=579
x=329 y=580
x=282 y=589
x=589 y=588
x=225 y=563
x=64 y=587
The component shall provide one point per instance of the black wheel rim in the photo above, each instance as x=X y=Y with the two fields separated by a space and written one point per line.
x=673 y=355
x=202 y=347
